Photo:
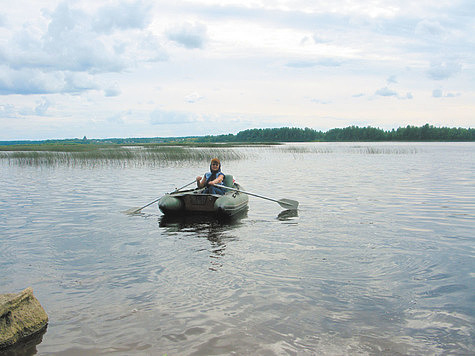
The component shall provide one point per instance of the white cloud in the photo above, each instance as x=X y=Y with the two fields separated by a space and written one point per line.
x=438 y=93
x=42 y=106
x=112 y=90
x=324 y=62
x=189 y=35
x=391 y=79
x=320 y=101
x=259 y=64
x=8 y=111
x=122 y=16
x=429 y=28
x=34 y=81
x=193 y=98
x=46 y=60
x=163 y=117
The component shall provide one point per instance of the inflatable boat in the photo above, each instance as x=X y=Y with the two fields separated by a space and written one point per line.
x=192 y=201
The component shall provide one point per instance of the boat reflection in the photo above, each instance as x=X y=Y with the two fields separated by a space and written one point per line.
x=197 y=222
x=217 y=231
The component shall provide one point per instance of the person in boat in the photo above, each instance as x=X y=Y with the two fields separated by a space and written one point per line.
x=212 y=179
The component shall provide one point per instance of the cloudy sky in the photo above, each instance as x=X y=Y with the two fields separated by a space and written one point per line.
x=148 y=68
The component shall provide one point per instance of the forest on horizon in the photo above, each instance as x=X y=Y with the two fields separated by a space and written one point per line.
x=293 y=134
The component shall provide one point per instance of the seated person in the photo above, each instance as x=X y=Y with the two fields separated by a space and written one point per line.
x=212 y=179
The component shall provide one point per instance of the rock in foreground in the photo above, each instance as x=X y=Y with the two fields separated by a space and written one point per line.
x=21 y=316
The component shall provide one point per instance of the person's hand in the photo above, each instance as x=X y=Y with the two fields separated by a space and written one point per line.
x=211 y=183
x=198 y=178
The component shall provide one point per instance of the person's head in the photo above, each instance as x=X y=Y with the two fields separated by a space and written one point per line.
x=215 y=165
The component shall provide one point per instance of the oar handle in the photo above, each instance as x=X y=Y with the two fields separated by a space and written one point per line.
x=285 y=203
x=242 y=191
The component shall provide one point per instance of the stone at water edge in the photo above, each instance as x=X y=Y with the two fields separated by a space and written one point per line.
x=21 y=316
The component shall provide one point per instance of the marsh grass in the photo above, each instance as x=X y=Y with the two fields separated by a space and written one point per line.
x=90 y=155
x=120 y=155
x=365 y=150
x=378 y=150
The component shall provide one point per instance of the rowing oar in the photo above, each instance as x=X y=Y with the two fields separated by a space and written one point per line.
x=285 y=203
x=136 y=210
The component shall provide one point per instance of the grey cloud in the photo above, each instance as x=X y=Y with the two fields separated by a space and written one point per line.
x=189 y=35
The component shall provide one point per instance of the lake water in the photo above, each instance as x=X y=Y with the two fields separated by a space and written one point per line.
x=379 y=258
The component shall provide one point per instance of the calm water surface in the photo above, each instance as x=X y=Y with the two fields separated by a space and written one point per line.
x=379 y=258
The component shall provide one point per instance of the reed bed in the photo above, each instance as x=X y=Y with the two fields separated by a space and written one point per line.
x=370 y=150
x=168 y=155
x=378 y=150
x=122 y=156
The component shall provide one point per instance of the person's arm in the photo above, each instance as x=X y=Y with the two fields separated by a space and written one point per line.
x=201 y=181
x=218 y=180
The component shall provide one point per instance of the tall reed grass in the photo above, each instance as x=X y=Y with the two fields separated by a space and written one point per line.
x=366 y=150
x=124 y=156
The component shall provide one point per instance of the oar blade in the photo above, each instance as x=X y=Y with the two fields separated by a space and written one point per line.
x=288 y=204
x=132 y=211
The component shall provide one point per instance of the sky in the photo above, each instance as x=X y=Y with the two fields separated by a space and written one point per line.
x=114 y=68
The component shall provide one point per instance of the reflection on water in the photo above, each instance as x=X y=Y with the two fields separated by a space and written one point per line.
x=195 y=222
x=218 y=231
x=288 y=215
x=377 y=260
x=27 y=347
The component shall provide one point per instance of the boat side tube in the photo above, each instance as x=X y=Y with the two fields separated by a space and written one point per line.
x=170 y=204
x=231 y=203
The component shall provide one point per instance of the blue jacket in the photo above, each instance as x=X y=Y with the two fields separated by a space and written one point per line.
x=208 y=175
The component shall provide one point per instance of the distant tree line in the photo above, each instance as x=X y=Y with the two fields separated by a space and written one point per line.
x=347 y=134
x=291 y=134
